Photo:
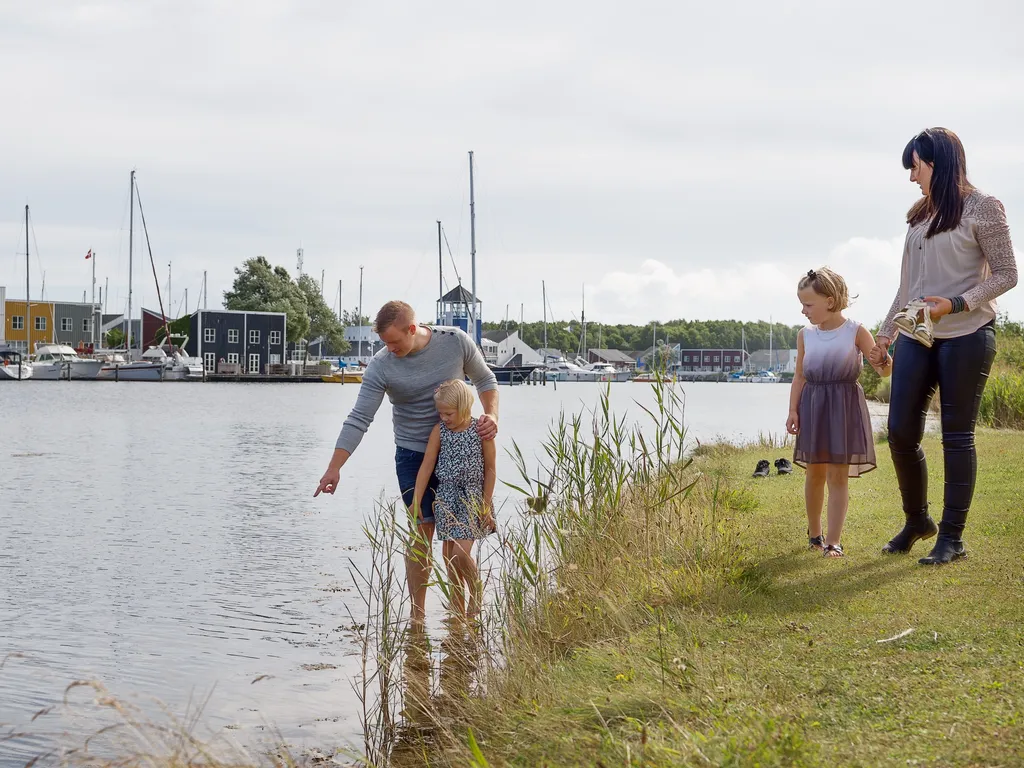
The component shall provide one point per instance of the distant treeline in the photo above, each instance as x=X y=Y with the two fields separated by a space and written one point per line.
x=691 y=334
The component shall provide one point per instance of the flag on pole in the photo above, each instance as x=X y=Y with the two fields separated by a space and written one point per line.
x=89 y=254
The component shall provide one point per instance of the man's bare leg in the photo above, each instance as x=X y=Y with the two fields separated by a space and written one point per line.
x=417 y=570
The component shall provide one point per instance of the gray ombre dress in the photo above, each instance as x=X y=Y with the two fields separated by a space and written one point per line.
x=835 y=427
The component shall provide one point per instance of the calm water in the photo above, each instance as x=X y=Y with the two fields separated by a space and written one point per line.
x=163 y=539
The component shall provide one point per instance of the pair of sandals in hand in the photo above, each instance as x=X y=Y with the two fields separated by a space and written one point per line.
x=916 y=319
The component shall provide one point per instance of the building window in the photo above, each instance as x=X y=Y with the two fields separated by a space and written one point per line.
x=233 y=337
x=87 y=325
x=275 y=337
x=65 y=325
x=233 y=358
x=716 y=358
x=40 y=323
x=254 y=338
x=275 y=359
x=17 y=323
x=210 y=362
x=254 y=360
x=209 y=335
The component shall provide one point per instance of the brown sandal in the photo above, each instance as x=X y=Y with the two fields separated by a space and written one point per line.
x=833 y=550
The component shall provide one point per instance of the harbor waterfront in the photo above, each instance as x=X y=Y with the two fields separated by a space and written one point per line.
x=164 y=541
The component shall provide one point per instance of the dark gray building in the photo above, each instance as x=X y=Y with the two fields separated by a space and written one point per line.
x=73 y=324
x=253 y=340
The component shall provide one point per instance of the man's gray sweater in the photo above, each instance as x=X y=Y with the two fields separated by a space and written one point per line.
x=410 y=382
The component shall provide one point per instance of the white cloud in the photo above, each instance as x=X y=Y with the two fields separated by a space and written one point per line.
x=733 y=150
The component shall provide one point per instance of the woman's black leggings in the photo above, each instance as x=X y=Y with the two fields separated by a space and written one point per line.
x=959 y=368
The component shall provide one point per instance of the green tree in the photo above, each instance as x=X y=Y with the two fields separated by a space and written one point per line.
x=115 y=338
x=179 y=327
x=351 y=319
x=322 y=320
x=261 y=287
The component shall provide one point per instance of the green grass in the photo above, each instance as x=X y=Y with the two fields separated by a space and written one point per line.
x=775 y=659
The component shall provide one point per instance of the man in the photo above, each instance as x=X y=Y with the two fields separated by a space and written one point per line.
x=416 y=361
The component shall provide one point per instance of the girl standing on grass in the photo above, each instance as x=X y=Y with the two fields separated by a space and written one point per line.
x=463 y=505
x=827 y=409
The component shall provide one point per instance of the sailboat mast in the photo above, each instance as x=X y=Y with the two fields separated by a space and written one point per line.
x=472 y=249
x=544 y=296
x=28 y=311
x=92 y=307
x=440 y=273
x=583 y=322
x=360 y=310
x=131 y=232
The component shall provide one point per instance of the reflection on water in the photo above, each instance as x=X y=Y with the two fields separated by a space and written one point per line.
x=163 y=539
x=430 y=699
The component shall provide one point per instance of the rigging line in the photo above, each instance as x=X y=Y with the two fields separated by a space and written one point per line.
x=156 y=280
x=419 y=265
x=32 y=226
x=451 y=255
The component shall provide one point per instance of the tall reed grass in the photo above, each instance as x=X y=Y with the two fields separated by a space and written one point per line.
x=616 y=525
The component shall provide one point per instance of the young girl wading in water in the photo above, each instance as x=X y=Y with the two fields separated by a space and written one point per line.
x=827 y=410
x=463 y=507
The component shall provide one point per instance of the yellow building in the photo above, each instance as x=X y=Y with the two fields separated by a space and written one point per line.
x=47 y=321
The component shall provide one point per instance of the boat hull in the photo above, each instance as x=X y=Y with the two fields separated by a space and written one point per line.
x=76 y=370
x=343 y=378
x=131 y=372
x=11 y=372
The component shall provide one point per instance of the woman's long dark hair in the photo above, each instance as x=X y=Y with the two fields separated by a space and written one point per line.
x=944 y=203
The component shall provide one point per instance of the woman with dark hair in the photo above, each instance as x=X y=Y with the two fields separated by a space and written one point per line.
x=957 y=259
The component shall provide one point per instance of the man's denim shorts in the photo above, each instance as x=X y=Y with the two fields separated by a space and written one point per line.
x=407 y=466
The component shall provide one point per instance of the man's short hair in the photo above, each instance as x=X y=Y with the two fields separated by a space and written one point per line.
x=394 y=313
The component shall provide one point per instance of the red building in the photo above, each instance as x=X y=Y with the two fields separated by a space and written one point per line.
x=151 y=322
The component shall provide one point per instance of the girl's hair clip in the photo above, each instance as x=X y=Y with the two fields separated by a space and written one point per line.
x=811 y=274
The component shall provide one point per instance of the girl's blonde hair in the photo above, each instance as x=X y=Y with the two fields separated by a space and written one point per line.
x=456 y=394
x=829 y=284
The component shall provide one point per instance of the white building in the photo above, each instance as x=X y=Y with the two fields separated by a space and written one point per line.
x=365 y=344
x=779 y=361
x=510 y=349
x=490 y=350
x=3 y=305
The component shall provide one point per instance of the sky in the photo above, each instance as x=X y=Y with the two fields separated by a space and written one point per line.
x=655 y=160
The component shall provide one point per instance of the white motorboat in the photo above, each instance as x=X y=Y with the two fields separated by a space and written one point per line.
x=116 y=368
x=761 y=377
x=562 y=370
x=12 y=366
x=608 y=372
x=176 y=364
x=59 y=362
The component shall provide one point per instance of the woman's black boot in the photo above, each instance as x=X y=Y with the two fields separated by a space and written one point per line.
x=949 y=546
x=917 y=528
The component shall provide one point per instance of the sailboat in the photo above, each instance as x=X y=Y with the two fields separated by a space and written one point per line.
x=118 y=368
x=765 y=376
x=14 y=364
